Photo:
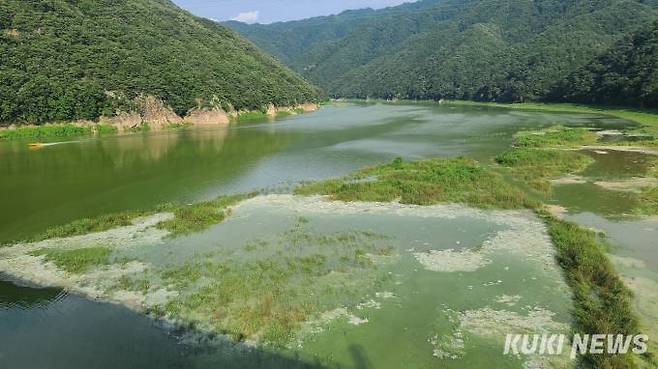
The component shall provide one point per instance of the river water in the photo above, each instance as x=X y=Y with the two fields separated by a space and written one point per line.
x=78 y=178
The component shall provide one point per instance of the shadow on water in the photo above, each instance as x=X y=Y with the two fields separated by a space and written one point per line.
x=46 y=328
x=27 y=297
x=360 y=358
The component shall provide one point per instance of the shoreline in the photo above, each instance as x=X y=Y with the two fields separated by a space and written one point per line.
x=135 y=123
x=642 y=116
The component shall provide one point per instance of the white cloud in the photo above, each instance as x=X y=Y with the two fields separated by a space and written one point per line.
x=247 y=17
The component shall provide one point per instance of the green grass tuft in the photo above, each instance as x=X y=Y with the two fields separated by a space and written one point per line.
x=78 y=260
x=537 y=167
x=105 y=129
x=199 y=216
x=557 y=136
x=648 y=201
x=89 y=225
x=44 y=131
x=602 y=303
x=250 y=116
x=144 y=127
x=283 y=114
x=424 y=182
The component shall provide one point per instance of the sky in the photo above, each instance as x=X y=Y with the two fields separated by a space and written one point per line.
x=268 y=11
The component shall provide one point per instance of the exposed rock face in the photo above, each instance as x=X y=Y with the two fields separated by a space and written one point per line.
x=207 y=117
x=308 y=107
x=272 y=110
x=156 y=113
x=124 y=121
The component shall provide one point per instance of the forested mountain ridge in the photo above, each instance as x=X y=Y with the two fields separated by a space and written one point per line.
x=625 y=75
x=504 y=50
x=80 y=59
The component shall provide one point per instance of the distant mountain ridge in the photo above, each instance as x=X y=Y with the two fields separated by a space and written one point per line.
x=80 y=59
x=504 y=50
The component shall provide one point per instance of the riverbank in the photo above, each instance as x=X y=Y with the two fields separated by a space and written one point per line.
x=157 y=118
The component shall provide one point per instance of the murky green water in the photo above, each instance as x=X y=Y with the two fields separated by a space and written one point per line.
x=633 y=242
x=59 y=183
x=71 y=180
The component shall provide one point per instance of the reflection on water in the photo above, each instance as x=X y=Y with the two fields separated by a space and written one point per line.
x=612 y=165
x=60 y=183
x=26 y=298
x=45 y=328
x=588 y=197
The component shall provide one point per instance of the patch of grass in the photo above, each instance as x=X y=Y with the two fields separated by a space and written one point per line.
x=78 y=260
x=90 y=225
x=188 y=219
x=177 y=125
x=557 y=136
x=44 y=131
x=199 y=216
x=283 y=114
x=105 y=129
x=144 y=127
x=249 y=116
x=602 y=303
x=128 y=283
x=537 y=167
x=653 y=171
x=268 y=297
x=425 y=182
x=648 y=201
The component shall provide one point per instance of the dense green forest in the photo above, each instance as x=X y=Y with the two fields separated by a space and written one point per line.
x=80 y=59
x=503 y=50
x=625 y=75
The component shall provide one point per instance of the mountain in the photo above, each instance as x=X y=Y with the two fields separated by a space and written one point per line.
x=505 y=50
x=80 y=59
x=625 y=75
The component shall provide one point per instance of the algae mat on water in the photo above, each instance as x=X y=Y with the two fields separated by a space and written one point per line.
x=327 y=280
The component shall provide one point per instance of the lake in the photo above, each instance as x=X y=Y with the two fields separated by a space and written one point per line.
x=427 y=313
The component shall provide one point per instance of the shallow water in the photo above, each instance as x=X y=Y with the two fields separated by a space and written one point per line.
x=60 y=331
x=63 y=182
x=609 y=165
x=403 y=298
x=612 y=165
x=633 y=241
x=634 y=252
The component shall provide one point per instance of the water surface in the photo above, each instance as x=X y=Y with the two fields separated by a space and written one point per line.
x=71 y=180
x=59 y=183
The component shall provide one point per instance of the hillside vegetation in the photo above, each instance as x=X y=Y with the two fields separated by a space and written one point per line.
x=503 y=50
x=625 y=75
x=80 y=59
